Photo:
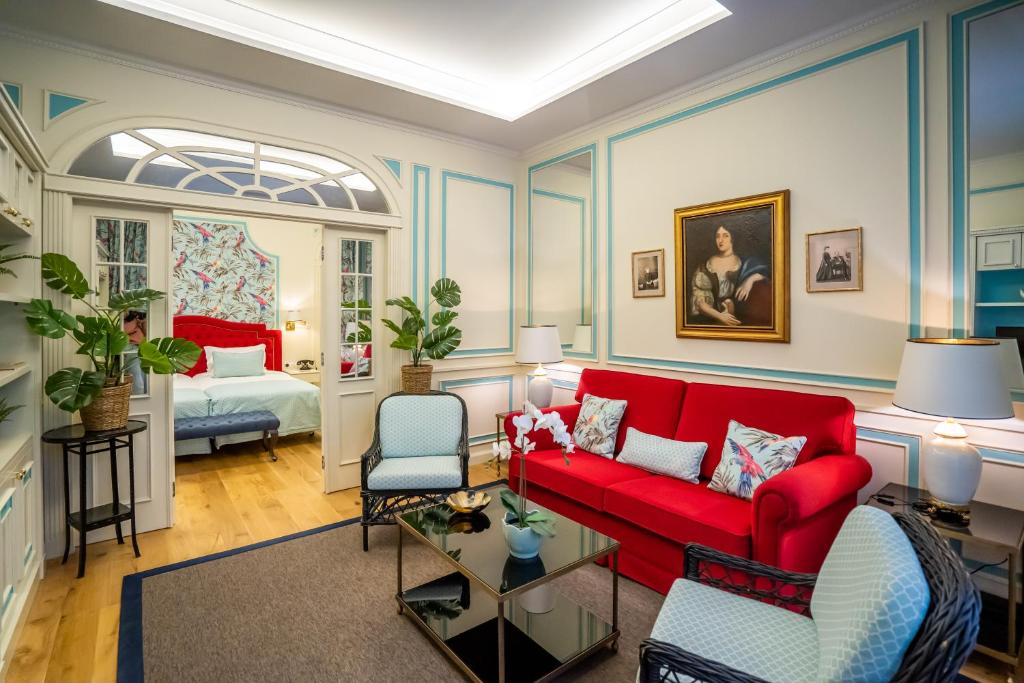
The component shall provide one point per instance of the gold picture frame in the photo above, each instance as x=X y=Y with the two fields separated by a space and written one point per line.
x=648 y=273
x=840 y=267
x=732 y=269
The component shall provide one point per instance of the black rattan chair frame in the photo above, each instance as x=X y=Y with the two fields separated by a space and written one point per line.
x=943 y=642
x=381 y=506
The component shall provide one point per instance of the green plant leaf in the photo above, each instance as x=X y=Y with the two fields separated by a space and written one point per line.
x=510 y=500
x=61 y=273
x=407 y=305
x=99 y=338
x=133 y=298
x=441 y=341
x=447 y=292
x=47 y=321
x=442 y=318
x=167 y=355
x=412 y=325
x=405 y=342
x=72 y=389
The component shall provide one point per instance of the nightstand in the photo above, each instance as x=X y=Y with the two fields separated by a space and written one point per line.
x=311 y=376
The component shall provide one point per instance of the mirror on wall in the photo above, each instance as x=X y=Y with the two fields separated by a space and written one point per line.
x=562 y=233
x=995 y=181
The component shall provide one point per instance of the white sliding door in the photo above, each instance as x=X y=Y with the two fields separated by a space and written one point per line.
x=353 y=378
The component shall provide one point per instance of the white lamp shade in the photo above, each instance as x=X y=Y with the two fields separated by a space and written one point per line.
x=1013 y=371
x=538 y=344
x=581 y=339
x=958 y=378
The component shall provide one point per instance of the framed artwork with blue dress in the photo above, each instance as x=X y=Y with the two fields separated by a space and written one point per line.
x=732 y=269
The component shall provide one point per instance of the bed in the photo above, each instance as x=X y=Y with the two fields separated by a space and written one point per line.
x=197 y=393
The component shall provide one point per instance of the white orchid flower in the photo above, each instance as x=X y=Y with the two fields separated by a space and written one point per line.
x=523 y=424
x=533 y=411
x=504 y=450
x=524 y=445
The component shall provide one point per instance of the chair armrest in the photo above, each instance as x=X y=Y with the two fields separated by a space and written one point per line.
x=748 y=578
x=370 y=459
x=789 y=501
x=657 y=658
x=542 y=437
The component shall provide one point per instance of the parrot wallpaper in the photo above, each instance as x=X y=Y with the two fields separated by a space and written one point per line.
x=219 y=272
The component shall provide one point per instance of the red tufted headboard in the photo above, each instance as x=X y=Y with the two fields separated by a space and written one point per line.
x=214 y=332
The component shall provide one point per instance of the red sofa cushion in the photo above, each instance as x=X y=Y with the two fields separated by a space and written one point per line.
x=652 y=403
x=826 y=421
x=584 y=480
x=683 y=512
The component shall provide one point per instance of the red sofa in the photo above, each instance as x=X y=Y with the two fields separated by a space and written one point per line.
x=791 y=521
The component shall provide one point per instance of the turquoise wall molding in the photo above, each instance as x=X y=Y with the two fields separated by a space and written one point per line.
x=420 y=197
x=395 y=166
x=959 y=25
x=57 y=105
x=592 y=150
x=581 y=204
x=911 y=442
x=14 y=92
x=449 y=384
x=997 y=188
x=455 y=176
x=911 y=41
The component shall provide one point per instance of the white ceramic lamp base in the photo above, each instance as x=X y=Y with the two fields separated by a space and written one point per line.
x=540 y=389
x=952 y=467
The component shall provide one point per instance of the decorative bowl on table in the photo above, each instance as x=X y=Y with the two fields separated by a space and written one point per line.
x=467 y=502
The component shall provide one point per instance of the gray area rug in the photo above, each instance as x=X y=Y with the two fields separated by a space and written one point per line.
x=317 y=608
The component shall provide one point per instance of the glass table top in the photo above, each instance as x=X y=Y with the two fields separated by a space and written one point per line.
x=476 y=544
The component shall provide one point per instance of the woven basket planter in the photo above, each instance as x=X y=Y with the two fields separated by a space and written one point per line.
x=416 y=378
x=109 y=410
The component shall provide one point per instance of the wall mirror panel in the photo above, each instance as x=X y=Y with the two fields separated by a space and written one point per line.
x=562 y=232
x=994 y=170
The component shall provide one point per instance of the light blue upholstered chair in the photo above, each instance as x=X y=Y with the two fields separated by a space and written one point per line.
x=419 y=455
x=892 y=603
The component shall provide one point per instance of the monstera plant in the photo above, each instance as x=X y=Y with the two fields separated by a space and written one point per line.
x=412 y=335
x=100 y=392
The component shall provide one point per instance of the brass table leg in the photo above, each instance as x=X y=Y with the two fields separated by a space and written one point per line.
x=615 y=598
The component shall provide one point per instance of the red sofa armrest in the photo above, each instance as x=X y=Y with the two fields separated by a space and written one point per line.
x=797 y=514
x=542 y=437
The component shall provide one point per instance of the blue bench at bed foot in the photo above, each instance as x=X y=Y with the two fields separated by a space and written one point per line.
x=210 y=426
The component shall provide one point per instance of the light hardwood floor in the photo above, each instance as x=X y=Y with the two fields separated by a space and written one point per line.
x=223 y=501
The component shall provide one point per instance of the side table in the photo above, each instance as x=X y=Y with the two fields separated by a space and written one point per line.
x=76 y=440
x=992 y=526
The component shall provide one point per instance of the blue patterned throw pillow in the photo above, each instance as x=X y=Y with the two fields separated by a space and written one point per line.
x=752 y=456
x=598 y=425
x=679 y=459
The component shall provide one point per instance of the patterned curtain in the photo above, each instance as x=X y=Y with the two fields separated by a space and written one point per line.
x=220 y=273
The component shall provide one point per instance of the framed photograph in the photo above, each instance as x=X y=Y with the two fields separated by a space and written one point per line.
x=732 y=269
x=649 y=273
x=834 y=261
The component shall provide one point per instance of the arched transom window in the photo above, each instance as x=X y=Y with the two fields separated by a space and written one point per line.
x=187 y=160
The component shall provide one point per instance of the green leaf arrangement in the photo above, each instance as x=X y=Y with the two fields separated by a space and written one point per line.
x=6 y=410
x=443 y=338
x=100 y=336
x=541 y=521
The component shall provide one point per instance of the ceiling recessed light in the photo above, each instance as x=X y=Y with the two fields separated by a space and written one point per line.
x=489 y=56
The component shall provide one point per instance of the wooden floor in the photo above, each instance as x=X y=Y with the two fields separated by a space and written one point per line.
x=223 y=501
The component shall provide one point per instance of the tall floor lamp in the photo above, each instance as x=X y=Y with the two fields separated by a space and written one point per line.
x=539 y=344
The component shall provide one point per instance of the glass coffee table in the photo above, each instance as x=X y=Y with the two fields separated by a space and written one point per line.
x=497 y=617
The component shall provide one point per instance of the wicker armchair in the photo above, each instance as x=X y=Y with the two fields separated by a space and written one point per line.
x=939 y=647
x=419 y=455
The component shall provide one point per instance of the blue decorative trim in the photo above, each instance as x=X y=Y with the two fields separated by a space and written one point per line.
x=8 y=595
x=420 y=172
x=1001 y=455
x=7 y=506
x=59 y=105
x=563 y=384
x=959 y=23
x=449 y=384
x=581 y=203
x=27 y=477
x=395 y=166
x=911 y=39
x=911 y=442
x=997 y=188
x=465 y=177
x=592 y=150
x=14 y=92
x=28 y=555
x=130 y=665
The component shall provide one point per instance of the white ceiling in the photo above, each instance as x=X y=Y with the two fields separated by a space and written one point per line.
x=486 y=40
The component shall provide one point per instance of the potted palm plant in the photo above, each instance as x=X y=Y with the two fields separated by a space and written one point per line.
x=412 y=336
x=101 y=392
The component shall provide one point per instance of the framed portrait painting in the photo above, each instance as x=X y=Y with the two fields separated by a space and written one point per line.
x=732 y=269
x=649 y=273
x=834 y=261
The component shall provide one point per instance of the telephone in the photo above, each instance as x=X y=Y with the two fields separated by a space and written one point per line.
x=305 y=364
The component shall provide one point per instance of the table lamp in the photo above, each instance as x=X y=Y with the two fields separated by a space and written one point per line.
x=539 y=344
x=953 y=379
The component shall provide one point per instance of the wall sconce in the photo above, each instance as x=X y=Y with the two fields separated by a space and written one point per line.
x=293 y=321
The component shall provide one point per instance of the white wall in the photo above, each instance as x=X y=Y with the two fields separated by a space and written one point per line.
x=997 y=192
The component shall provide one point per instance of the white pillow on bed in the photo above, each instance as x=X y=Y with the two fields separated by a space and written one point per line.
x=262 y=348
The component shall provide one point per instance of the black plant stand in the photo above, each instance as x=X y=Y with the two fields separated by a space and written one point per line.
x=75 y=439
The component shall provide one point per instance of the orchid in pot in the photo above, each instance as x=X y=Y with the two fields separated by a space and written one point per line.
x=525 y=529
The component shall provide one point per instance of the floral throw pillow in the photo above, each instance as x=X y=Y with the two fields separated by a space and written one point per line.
x=752 y=456
x=598 y=425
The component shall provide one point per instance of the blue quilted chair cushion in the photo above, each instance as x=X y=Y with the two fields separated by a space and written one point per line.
x=416 y=426
x=869 y=599
x=754 y=637
x=419 y=474
x=219 y=425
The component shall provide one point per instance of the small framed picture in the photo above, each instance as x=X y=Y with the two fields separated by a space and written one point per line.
x=834 y=261
x=649 y=273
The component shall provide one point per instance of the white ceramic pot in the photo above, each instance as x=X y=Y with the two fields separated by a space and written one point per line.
x=539 y=600
x=522 y=543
